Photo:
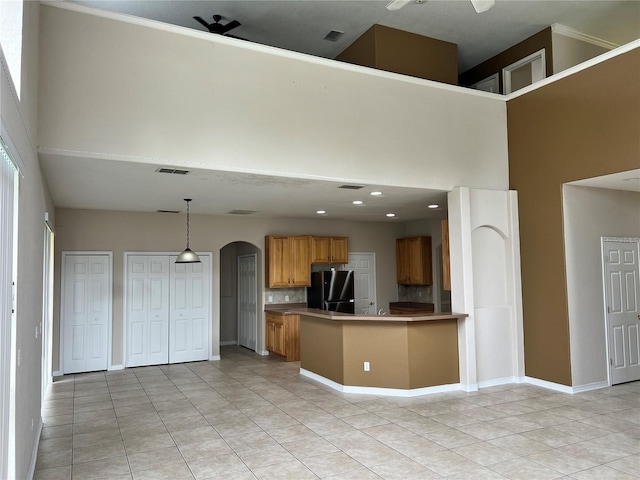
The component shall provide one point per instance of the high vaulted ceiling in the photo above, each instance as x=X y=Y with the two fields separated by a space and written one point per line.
x=301 y=25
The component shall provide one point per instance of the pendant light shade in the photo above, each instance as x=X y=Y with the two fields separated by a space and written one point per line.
x=188 y=255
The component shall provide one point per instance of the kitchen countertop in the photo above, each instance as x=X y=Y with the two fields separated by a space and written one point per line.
x=351 y=317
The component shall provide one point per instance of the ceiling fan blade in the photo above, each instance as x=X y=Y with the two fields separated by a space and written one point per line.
x=231 y=25
x=482 y=5
x=397 y=4
x=206 y=25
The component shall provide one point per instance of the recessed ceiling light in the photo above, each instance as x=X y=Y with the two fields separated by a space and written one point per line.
x=434 y=205
x=375 y=194
x=321 y=212
x=390 y=215
x=358 y=202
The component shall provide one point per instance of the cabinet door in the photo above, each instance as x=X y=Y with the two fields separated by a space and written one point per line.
x=320 y=250
x=339 y=250
x=278 y=261
x=413 y=261
x=270 y=337
x=402 y=261
x=415 y=264
x=278 y=339
x=300 y=249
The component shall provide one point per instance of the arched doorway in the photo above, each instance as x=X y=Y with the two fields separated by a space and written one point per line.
x=239 y=294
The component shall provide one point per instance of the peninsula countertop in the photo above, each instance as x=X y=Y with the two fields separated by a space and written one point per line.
x=352 y=317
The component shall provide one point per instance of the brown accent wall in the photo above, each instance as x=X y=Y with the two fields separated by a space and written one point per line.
x=519 y=51
x=403 y=52
x=321 y=348
x=402 y=355
x=582 y=126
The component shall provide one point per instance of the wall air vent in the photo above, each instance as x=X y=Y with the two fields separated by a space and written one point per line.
x=168 y=211
x=175 y=171
x=351 y=187
x=241 y=212
x=333 y=35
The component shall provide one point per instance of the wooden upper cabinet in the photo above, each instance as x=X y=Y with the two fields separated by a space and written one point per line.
x=446 y=262
x=287 y=261
x=329 y=250
x=413 y=261
x=300 y=261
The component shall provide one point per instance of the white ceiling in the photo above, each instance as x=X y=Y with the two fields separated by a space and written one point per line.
x=300 y=25
x=77 y=182
x=629 y=180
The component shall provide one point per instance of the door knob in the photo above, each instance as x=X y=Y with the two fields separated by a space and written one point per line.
x=371 y=303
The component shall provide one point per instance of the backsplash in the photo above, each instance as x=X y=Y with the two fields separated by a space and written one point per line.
x=415 y=293
x=285 y=295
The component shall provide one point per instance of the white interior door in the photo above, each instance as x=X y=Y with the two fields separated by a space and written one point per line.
x=247 y=301
x=364 y=268
x=147 y=300
x=86 y=312
x=622 y=292
x=189 y=310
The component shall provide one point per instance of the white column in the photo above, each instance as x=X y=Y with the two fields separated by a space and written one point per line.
x=460 y=248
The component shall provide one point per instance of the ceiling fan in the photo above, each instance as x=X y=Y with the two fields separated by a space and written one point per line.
x=479 y=5
x=216 y=26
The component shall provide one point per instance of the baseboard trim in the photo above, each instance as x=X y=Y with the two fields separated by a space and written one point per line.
x=116 y=367
x=590 y=386
x=34 y=453
x=550 y=385
x=213 y=358
x=57 y=373
x=499 y=381
x=389 y=392
x=469 y=387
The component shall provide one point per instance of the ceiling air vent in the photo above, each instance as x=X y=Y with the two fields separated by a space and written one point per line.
x=175 y=171
x=241 y=212
x=333 y=35
x=351 y=187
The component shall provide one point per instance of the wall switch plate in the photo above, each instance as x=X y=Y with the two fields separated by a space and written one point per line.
x=286 y=298
x=367 y=366
x=270 y=298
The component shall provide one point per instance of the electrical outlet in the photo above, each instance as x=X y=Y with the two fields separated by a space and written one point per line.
x=270 y=298
x=367 y=366
x=286 y=298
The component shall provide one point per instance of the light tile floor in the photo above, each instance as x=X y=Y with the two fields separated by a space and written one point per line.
x=248 y=417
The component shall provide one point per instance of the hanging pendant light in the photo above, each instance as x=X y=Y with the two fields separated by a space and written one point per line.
x=188 y=256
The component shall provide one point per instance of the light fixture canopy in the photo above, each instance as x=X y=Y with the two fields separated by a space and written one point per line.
x=188 y=255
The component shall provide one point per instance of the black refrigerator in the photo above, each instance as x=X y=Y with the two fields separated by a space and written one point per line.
x=332 y=290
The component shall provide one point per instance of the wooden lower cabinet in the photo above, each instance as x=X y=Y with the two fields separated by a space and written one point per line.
x=283 y=335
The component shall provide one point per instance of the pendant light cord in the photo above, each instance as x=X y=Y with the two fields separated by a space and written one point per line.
x=187 y=222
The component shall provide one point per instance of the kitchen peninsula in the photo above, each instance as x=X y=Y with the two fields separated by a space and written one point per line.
x=391 y=354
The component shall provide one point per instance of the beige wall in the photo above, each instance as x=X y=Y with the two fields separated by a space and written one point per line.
x=19 y=120
x=568 y=51
x=121 y=232
x=122 y=90
x=568 y=130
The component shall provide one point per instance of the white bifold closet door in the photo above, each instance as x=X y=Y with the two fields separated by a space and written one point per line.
x=167 y=310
